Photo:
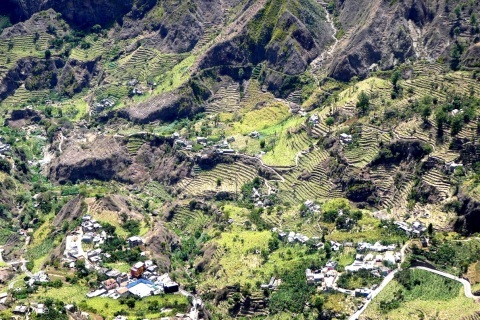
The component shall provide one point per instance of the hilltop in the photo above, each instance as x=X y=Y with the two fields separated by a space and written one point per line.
x=254 y=147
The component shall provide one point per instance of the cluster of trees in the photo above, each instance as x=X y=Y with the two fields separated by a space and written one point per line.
x=362 y=278
x=114 y=245
x=466 y=107
x=344 y=219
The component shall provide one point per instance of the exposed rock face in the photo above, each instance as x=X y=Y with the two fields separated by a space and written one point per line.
x=384 y=41
x=80 y=12
x=472 y=56
x=468 y=215
x=103 y=159
x=22 y=117
x=287 y=42
x=160 y=242
x=39 y=74
x=35 y=73
x=165 y=107
x=387 y=33
x=72 y=210
x=106 y=158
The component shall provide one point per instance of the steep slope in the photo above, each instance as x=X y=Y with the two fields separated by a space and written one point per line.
x=385 y=33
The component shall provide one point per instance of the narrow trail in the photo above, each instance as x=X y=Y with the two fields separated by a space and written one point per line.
x=319 y=61
x=61 y=142
x=264 y=165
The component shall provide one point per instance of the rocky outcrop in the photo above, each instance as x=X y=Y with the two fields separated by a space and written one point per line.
x=103 y=159
x=472 y=57
x=387 y=33
x=35 y=73
x=80 y=12
x=161 y=242
x=468 y=211
x=40 y=74
x=165 y=107
x=72 y=210
x=286 y=37
x=22 y=117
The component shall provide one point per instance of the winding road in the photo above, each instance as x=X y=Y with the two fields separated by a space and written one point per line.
x=466 y=285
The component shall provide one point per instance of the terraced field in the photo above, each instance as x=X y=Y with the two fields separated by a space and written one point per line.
x=367 y=147
x=437 y=179
x=95 y=50
x=192 y=219
x=232 y=178
x=226 y=99
x=143 y=64
x=23 y=97
x=317 y=186
x=11 y=50
x=134 y=144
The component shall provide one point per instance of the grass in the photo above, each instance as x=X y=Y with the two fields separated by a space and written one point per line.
x=120 y=266
x=257 y=120
x=176 y=77
x=434 y=298
x=42 y=232
x=106 y=307
x=346 y=257
x=368 y=230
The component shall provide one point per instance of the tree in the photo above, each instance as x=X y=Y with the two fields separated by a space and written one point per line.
x=456 y=125
x=317 y=302
x=456 y=55
x=426 y=112
x=328 y=250
x=262 y=144
x=130 y=303
x=430 y=229
x=441 y=118
x=473 y=20
x=96 y=28
x=48 y=54
x=363 y=103
x=331 y=6
x=5 y=166
x=329 y=122
x=395 y=78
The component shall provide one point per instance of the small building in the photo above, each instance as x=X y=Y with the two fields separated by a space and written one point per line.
x=254 y=134
x=110 y=284
x=87 y=238
x=137 y=270
x=96 y=293
x=170 y=287
x=122 y=291
x=201 y=140
x=134 y=241
x=122 y=277
x=346 y=138
x=141 y=290
x=384 y=271
x=365 y=292
x=39 y=308
x=331 y=265
x=112 y=273
x=20 y=309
